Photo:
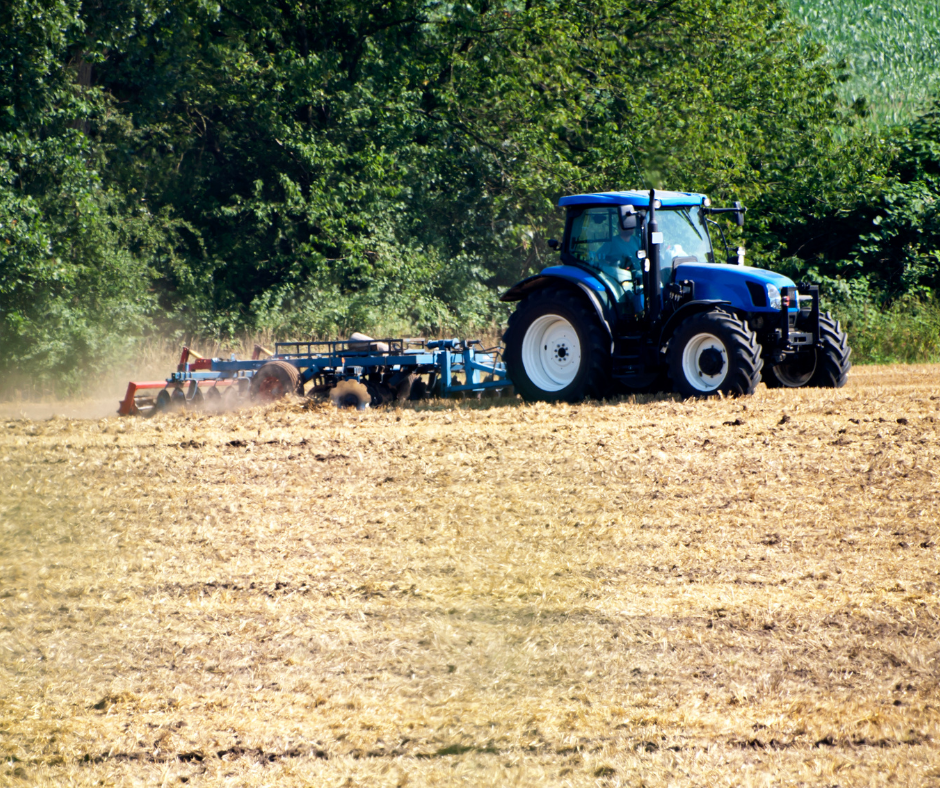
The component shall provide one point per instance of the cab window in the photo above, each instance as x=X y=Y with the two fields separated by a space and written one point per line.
x=597 y=239
x=591 y=230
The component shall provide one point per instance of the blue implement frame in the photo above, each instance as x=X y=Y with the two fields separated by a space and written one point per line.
x=327 y=363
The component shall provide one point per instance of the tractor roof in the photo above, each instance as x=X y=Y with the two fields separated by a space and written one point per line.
x=634 y=197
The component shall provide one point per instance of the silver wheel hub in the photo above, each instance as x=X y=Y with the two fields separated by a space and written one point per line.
x=705 y=362
x=551 y=353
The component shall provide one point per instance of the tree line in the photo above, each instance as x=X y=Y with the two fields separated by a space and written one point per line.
x=313 y=167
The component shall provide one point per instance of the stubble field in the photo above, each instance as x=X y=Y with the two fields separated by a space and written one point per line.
x=727 y=592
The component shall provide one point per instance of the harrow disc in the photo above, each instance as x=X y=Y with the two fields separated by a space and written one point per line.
x=162 y=402
x=419 y=390
x=213 y=399
x=197 y=401
x=350 y=394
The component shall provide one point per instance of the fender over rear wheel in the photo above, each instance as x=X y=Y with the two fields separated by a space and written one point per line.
x=556 y=349
x=714 y=352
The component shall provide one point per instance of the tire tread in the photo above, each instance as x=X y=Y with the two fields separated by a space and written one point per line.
x=744 y=356
x=595 y=382
x=833 y=355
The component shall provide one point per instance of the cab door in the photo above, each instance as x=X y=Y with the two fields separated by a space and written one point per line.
x=596 y=241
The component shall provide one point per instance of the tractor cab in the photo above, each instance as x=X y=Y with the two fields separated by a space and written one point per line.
x=608 y=235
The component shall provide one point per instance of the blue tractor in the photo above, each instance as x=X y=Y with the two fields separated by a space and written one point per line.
x=641 y=301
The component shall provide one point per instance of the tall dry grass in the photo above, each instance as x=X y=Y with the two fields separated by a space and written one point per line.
x=728 y=592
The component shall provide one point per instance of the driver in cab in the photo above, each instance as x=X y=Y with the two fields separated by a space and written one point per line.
x=617 y=257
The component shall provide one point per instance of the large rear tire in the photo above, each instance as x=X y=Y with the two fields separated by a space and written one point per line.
x=274 y=380
x=832 y=355
x=714 y=352
x=556 y=349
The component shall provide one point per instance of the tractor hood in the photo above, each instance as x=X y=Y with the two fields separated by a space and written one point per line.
x=729 y=282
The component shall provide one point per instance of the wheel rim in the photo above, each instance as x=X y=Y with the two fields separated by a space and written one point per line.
x=794 y=374
x=705 y=362
x=551 y=353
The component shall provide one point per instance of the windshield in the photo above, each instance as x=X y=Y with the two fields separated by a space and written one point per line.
x=597 y=239
x=685 y=239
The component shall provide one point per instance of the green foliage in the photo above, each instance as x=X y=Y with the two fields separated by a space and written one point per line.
x=334 y=149
x=891 y=50
x=179 y=165
x=74 y=265
x=874 y=245
x=905 y=330
x=882 y=230
x=76 y=254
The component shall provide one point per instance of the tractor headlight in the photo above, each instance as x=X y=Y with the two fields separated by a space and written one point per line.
x=773 y=297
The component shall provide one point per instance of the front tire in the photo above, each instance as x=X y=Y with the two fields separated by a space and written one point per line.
x=832 y=355
x=794 y=373
x=714 y=352
x=556 y=349
x=825 y=366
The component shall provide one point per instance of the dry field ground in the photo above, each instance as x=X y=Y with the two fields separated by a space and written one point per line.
x=727 y=592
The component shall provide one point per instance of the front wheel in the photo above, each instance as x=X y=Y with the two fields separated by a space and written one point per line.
x=714 y=352
x=556 y=349
x=794 y=372
x=825 y=366
x=832 y=355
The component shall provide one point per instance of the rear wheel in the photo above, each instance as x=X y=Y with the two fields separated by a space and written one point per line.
x=556 y=349
x=832 y=355
x=274 y=380
x=714 y=352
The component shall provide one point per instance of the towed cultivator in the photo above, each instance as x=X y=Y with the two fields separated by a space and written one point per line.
x=359 y=372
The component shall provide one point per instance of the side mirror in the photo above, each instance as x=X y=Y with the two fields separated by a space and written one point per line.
x=628 y=217
x=739 y=211
x=553 y=243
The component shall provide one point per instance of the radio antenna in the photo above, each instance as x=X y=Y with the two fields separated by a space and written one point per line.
x=639 y=177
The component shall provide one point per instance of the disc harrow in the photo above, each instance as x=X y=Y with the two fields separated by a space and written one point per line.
x=359 y=372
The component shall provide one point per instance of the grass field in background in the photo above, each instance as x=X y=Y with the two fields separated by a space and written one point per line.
x=661 y=593
x=892 y=48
